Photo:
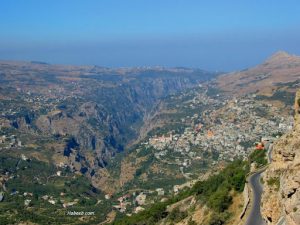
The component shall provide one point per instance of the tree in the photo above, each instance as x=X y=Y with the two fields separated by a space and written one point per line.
x=220 y=200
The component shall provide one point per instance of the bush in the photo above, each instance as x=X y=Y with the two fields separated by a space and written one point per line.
x=219 y=218
x=176 y=215
x=191 y=222
x=238 y=181
x=220 y=200
x=259 y=157
x=274 y=181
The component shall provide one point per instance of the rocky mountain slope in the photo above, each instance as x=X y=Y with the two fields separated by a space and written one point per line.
x=281 y=197
x=84 y=114
x=276 y=73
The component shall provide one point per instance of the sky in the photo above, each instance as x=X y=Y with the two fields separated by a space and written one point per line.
x=222 y=35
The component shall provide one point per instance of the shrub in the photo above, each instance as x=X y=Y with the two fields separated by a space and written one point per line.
x=218 y=218
x=220 y=200
x=191 y=222
x=176 y=215
x=259 y=157
x=274 y=181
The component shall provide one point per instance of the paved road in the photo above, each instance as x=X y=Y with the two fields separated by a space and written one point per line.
x=255 y=217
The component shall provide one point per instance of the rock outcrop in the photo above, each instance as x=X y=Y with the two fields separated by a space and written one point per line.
x=281 y=197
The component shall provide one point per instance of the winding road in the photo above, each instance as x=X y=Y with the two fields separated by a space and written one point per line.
x=255 y=217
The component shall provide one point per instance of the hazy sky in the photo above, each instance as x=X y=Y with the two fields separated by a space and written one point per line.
x=213 y=35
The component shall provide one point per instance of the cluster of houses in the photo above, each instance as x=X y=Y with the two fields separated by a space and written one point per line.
x=136 y=200
x=56 y=94
x=50 y=199
x=7 y=142
x=229 y=130
x=229 y=127
x=28 y=195
x=54 y=201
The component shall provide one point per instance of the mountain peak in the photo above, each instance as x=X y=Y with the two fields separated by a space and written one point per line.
x=280 y=56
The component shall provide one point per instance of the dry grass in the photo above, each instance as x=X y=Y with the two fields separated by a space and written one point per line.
x=236 y=208
x=262 y=78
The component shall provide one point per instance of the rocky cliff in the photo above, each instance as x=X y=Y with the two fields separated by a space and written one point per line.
x=281 y=197
x=84 y=116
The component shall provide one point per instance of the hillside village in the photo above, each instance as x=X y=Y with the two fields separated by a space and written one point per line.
x=229 y=132
x=227 y=129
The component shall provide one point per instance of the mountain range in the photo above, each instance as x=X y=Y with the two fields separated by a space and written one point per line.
x=89 y=135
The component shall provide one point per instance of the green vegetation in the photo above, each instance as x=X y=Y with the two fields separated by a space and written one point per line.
x=259 y=157
x=145 y=165
x=215 y=192
x=286 y=97
x=177 y=215
x=191 y=222
x=219 y=218
x=274 y=181
x=261 y=112
x=154 y=214
x=144 y=152
x=213 y=91
x=173 y=125
x=38 y=179
x=277 y=134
